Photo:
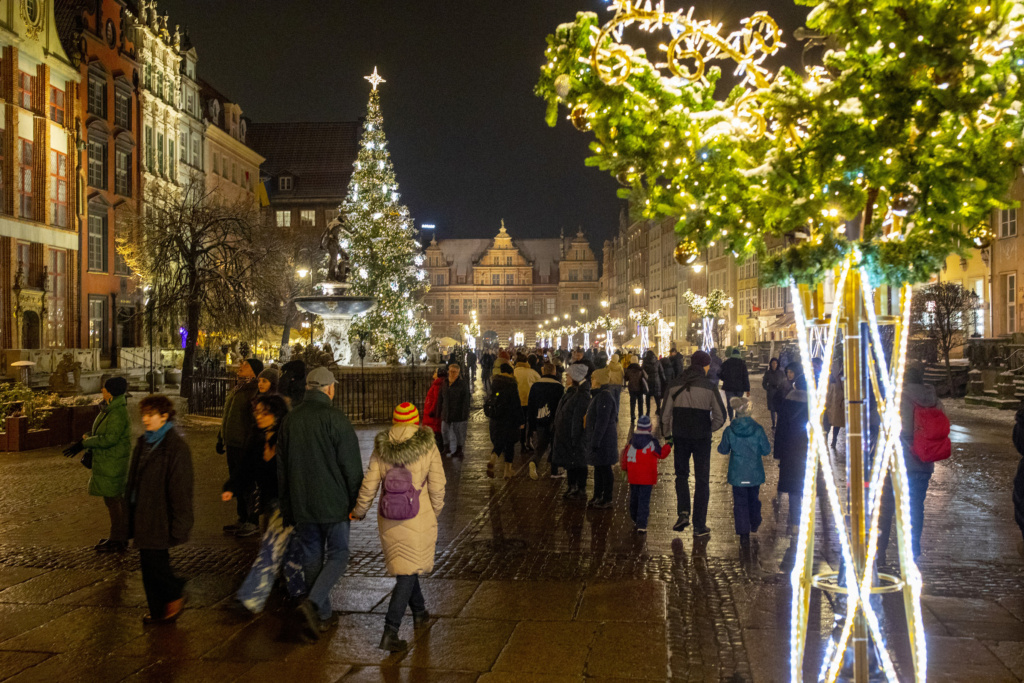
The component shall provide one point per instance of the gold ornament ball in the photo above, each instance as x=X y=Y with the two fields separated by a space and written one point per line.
x=981 y=235
x=625 y=179
x=579 y=117
x=686 y=252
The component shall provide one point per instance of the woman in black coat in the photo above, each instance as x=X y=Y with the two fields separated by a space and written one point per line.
x=655 y=381
x=159 y=493
x=774 y=382
x=601 y=438
x=791 y=446
x=567 y=447
x=507 y=420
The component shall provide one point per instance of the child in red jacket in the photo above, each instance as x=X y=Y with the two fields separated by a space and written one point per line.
x=640 y=463
x=431 y=408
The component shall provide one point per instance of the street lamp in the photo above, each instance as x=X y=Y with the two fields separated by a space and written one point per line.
x=566 y=316
x=637 y=290
x=604 y=303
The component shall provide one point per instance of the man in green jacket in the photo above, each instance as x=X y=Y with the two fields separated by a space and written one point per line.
x=110 y=443
x=235 y=428
x=320 y=471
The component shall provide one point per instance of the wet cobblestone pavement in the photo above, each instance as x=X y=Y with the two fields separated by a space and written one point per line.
x=526 y=587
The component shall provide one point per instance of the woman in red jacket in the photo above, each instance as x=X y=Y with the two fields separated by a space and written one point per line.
x=640 y=463
x=431 y=408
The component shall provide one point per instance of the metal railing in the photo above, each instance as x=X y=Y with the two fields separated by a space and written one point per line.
x=366 y=396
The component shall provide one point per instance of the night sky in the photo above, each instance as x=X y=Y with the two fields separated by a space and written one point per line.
x=466 y=133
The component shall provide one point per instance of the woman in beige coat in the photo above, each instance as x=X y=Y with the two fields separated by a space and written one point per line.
x=408 y=543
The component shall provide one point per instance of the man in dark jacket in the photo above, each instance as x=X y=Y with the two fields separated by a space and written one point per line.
x=454 y=410
x=293 y=381
x=568 y=448
x=735 y=378
x=236 y=427
x=507 y=420
x=544 y=397
x=602 y=444
x=919 y=473
x=677 y=363
x=486 y=370
x=693 y=411
x=320 y=472
x=471 y=365
x=636 y=380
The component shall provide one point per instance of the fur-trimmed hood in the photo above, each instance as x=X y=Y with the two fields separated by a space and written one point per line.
x=406 y=451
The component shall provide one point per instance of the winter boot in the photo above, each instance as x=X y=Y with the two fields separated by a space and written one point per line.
x=391 y=642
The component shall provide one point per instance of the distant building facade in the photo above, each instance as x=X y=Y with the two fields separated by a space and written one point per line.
x=514 y=285
x=234 y=167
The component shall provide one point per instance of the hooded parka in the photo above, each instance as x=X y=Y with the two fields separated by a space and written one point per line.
x=408 y=544
x=110 y=443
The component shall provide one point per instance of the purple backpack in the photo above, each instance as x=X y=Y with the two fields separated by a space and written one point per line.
x=399 y=499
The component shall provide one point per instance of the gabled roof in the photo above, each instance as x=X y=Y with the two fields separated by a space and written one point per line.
x=319 y=154
x=544 y=254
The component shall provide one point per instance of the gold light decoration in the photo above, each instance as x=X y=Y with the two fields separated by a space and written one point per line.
x=580 y=117
x=686 y=252
x=981 y=236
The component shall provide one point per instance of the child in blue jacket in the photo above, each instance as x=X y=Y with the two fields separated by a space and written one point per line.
x=745 y=443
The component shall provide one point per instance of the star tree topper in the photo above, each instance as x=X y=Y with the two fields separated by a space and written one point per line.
x=375 y=78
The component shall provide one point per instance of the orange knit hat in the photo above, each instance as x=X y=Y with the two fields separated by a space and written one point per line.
x=405 y=414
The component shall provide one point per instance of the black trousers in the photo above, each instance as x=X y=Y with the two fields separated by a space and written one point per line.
x=544 y=433
x=118 y=510
x=603 y=480
x=576 y=478
x=162 y=586
x=700 y=450
x=407 y=592
x=243 y=499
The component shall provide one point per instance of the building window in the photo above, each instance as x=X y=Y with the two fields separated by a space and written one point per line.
x=588 y=275
x=120 y=265
x=574 y=275
x=575 y=296
x=97 y=96
x=160 y=165
x=467 y=306
x=551 y=306
x=26 y=86
x=195 y=151
x=1008 y=223
x=25 y=179
x=149 y=149
x=56 y=105
x=123 y=110
x=216 y=163
x=123 y=173
x=508 y=260
x=510 y=279
x=482 y=307
x=171 y=159
x=495 y=307
x=284 y=218
x=439 y=279
x=307 y=217
x=234 y=172
x=97 y=164
x=183 y=146
x=59 y=188
x=159 y=84
x=524 y=307
x=510 y=307
x=97 y=322
x=453 y=307
x=284 y=183
x=495 y=279
x=98 y=240
x=57 y=290
x=497 y=261
x=536 y=306
x=1011 y=302
x=586 y=296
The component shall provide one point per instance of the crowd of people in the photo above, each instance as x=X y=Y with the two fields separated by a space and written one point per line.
x=295 y=473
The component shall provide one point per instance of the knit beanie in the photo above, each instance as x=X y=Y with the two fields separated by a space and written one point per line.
x=256 y=364
x=701 y=359
x=578 y=372
x=405 y=414
x=117 y=386
x=643 y=425
x=273 y=376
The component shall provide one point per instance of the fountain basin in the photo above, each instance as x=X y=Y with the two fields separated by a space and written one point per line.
x=335 y=306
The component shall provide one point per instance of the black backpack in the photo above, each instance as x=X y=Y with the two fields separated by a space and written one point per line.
x=492 y=405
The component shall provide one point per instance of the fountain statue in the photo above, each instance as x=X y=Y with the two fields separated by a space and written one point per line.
x=335 y=308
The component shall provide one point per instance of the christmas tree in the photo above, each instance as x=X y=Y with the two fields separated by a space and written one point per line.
x=385 y=255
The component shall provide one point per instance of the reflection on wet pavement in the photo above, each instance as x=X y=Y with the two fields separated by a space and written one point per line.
x=526 y=587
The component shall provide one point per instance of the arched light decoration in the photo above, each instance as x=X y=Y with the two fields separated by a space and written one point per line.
x=608 y=323
x=644 y=320
x=882 y=161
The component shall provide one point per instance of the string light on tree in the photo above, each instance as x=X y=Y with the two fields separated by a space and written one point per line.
x=384 y=249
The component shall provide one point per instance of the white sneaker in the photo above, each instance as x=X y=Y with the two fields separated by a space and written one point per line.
x=533 y=471
x=558 y=475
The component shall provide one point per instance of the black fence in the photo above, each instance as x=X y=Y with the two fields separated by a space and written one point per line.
x=366 y=396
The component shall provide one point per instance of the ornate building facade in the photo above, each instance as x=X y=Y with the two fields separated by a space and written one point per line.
x=39 y=243
x=513 y=285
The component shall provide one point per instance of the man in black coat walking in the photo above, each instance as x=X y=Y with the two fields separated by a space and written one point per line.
x=454 y=410
x=541 y=407
x=735 y=378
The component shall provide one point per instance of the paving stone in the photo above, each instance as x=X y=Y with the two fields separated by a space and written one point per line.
x=11 y=576
x=12 y=663
x=196 y=633
x=76 y=667
x=509 y=677
x=17 y=619
x=1011 y=655
x=360 y=593
x=354 y=641
x=98 y=631
x=955 y=660
x=518 y=600
x=123 y=589
x=444 y=597
x=548 y=647
x=388 y=674
x=635 y=650
x=460 y=644
x=307 y=672
x=631 y=601
x=189 y=670
x=264 y=638
x=47 y=587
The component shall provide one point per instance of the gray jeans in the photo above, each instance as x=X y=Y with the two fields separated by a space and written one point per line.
x=455 y=434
